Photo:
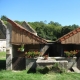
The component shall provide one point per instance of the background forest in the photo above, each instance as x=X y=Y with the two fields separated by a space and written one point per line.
x=50 y=31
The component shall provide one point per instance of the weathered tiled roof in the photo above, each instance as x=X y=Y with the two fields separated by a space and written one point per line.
x=41 y=40
x=68 y=35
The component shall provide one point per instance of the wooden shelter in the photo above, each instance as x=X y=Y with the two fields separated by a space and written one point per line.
x=28 y=27
x=70 y=41
x=21 y=35
x=72 y=37
x=15 y=36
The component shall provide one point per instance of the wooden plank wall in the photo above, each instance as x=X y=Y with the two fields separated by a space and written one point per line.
x=75 y=39
x=19 y=36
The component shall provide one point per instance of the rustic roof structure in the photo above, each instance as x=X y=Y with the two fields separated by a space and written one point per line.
x=28 y=27
x=26 y=36
x=72 y=37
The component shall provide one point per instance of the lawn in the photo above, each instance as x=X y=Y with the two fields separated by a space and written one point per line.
x=2 y=55
x=2 y=60
x=23 y=75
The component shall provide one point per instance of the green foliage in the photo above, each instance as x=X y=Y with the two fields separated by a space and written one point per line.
x=3 y=17
x=23 y=75
x=21 y=48
x=67 y=29
x=32 y=54
x=42 y=70
x=55 y=68
x=2 y=55
x=19 y=22
x=51 y=30
x=71 y=53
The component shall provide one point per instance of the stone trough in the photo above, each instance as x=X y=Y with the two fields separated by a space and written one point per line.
x=65 y=63
x=51 y=61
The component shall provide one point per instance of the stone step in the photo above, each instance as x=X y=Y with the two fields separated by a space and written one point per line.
x=76 y=69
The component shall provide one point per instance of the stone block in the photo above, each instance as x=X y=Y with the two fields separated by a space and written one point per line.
x=30 y=63
x=41 y=63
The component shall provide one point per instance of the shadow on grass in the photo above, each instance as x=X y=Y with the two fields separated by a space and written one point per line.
x=31 y=70
x=2 y=64
x=44 y=70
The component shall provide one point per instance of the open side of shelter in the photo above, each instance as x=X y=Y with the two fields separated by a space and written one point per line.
x=71 y=42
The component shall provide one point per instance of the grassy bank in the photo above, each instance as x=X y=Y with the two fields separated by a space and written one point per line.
x=2 y=60
x=23 y=75
x=2 y=55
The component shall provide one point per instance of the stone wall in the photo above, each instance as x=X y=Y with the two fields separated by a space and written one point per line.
x=8 y=47
x=78 y=63
x=3 y=45
x=30 y=64
x=41 y=63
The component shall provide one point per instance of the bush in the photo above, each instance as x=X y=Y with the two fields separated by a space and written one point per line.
x=32 y=54
x=51 y=69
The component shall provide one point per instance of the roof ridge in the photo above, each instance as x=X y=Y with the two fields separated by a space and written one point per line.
x=69 y=33
x=24 y=22
x=18 y=25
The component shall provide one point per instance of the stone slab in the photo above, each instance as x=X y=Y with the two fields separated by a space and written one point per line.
x=51 y=61
x=76 y=69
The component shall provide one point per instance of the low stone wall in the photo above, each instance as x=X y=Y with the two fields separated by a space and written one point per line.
x=65 y=63
x=71 y=61
x=50 y=62
x=30 y=63
x=78 y=63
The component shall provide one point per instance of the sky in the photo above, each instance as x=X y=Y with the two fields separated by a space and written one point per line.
x=65 y=12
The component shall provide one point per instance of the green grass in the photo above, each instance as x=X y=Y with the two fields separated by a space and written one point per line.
x=2 y=60
x=23 y=75
x=2 y=55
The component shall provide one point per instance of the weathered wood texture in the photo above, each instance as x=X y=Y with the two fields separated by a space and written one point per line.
x=75 y=39
x=19 y=36
x=72 y=37
x=22 y=35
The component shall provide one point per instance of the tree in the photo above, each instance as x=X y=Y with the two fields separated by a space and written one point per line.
x=3 y=17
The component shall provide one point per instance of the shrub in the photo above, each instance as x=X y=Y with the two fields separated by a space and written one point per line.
x=51 y=69
x=32 y=54
x=71 y=53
